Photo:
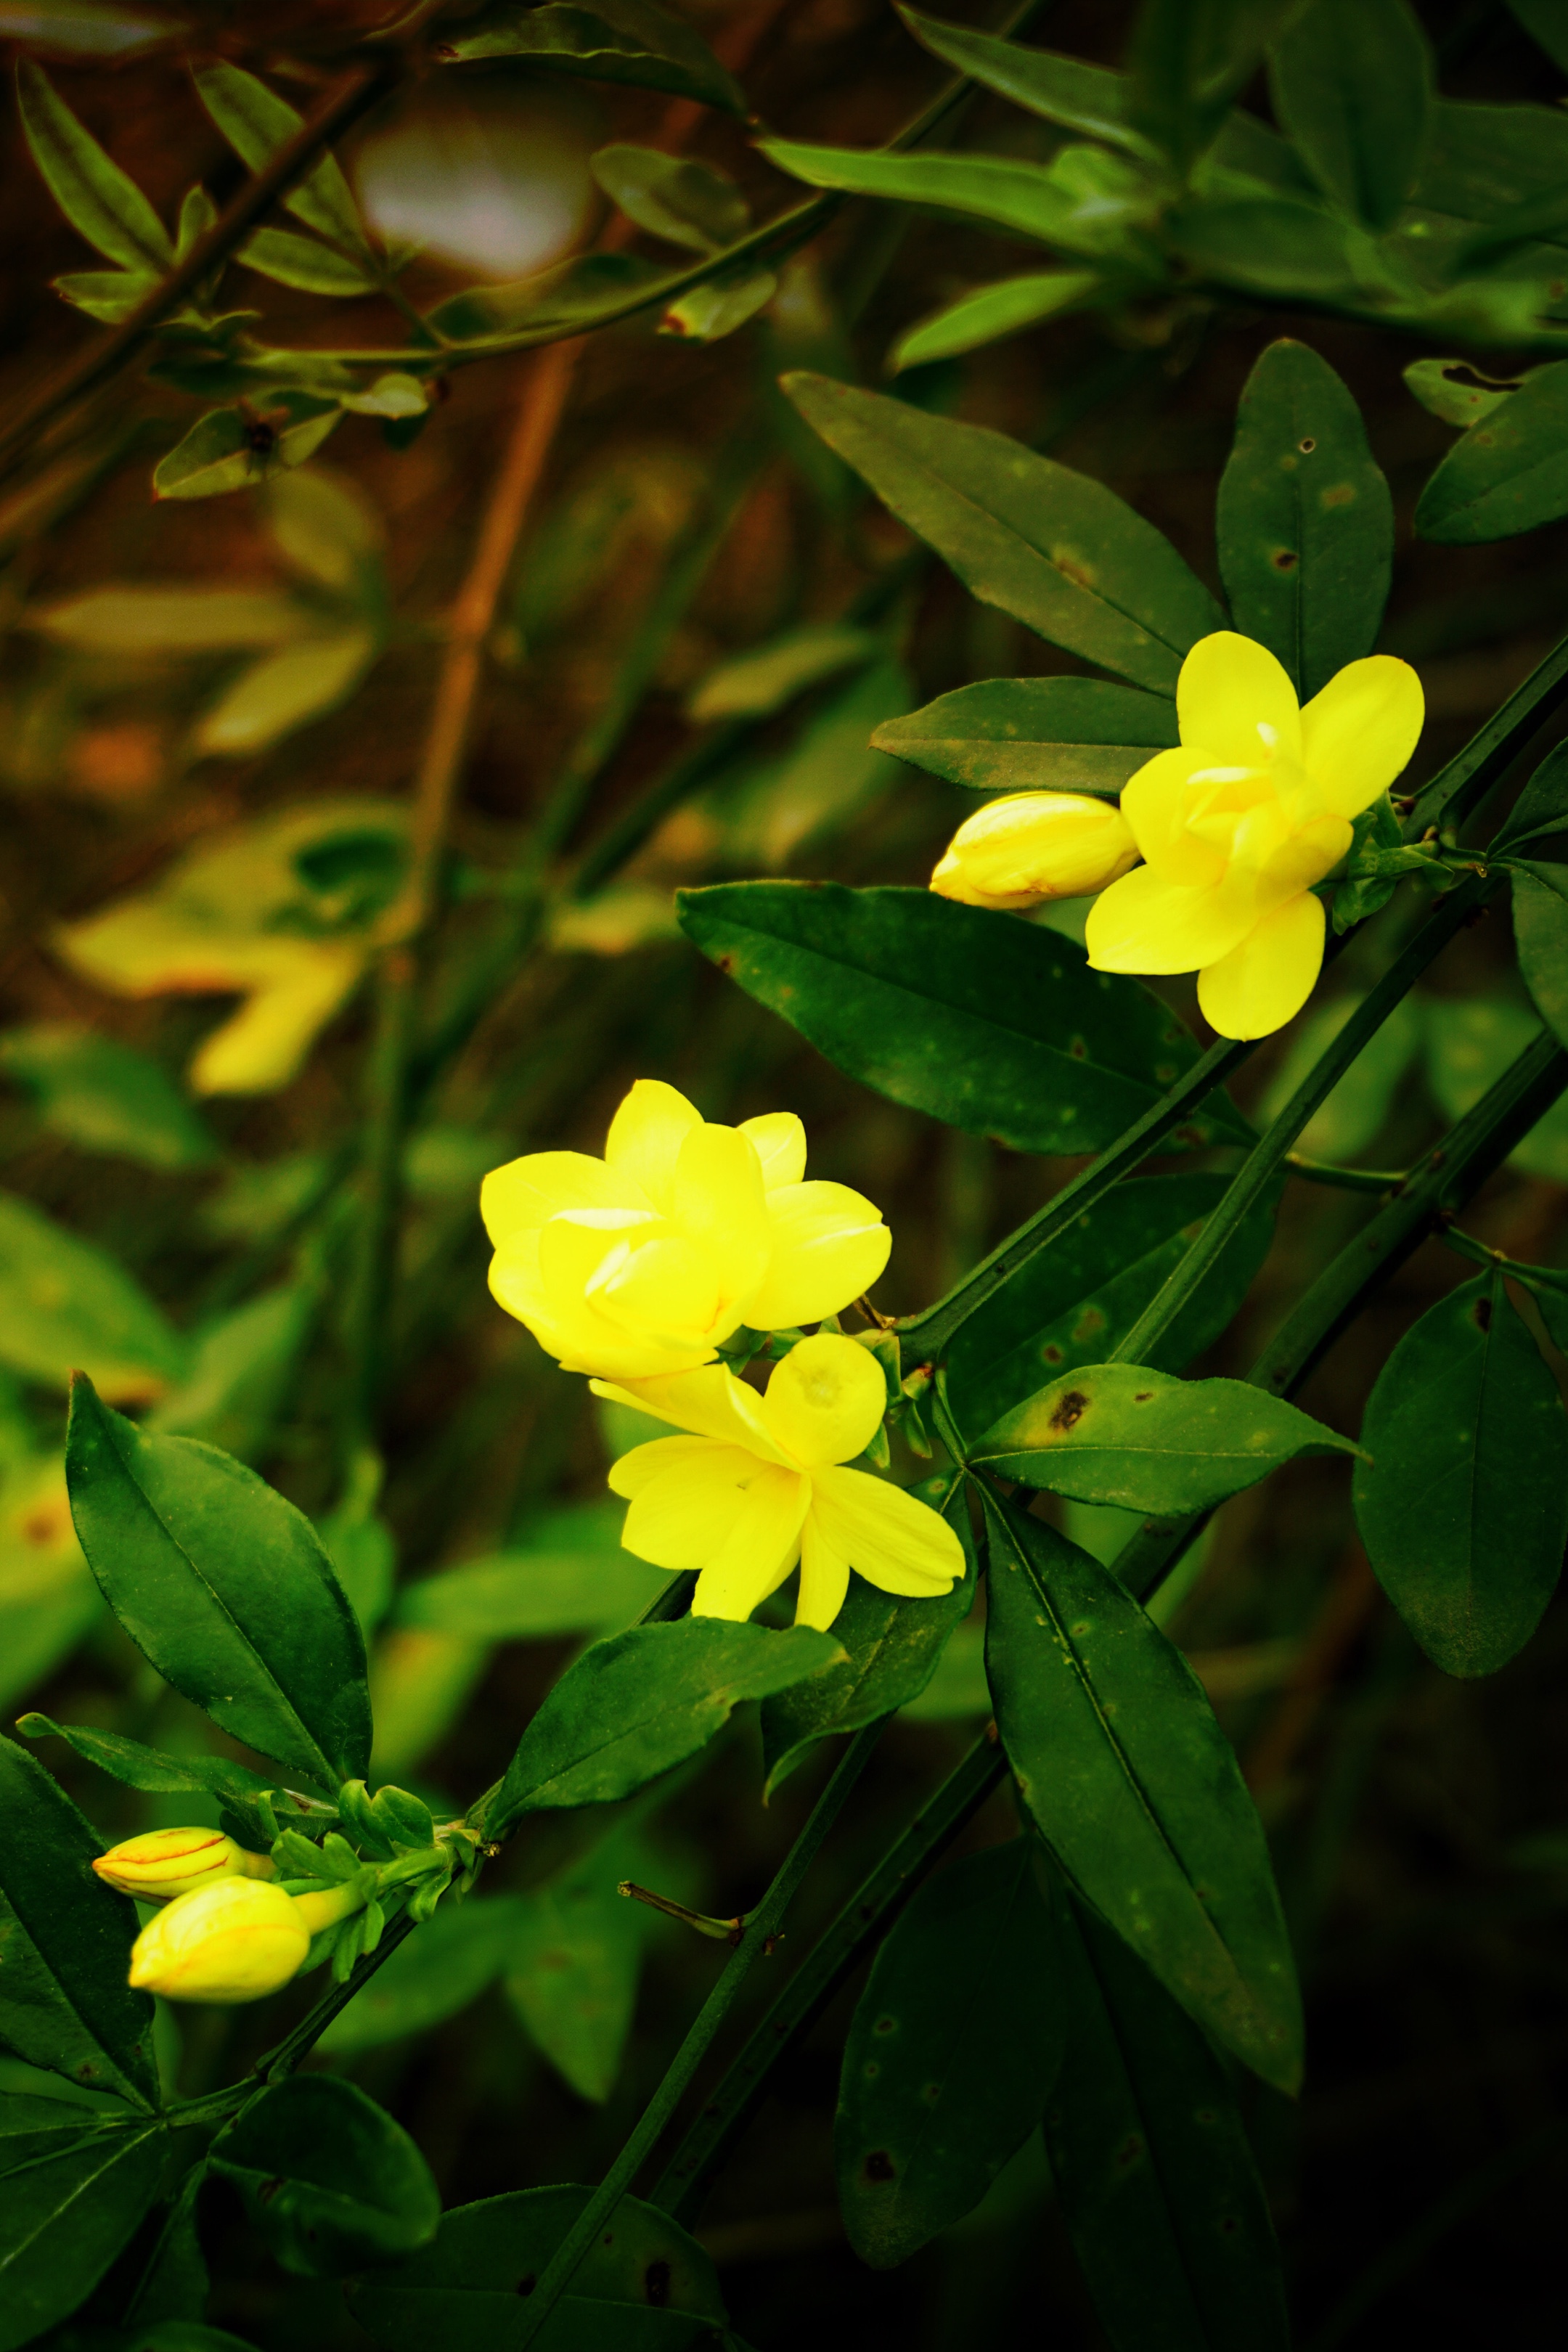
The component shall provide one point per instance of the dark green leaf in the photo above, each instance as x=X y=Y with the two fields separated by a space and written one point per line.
x=1481 y=161
x=1541 y=935
x=1156 y=2182
x=93 y=193
x=992 y=311
x=646 y=2286
x=106 y=1097
x=1546 y=20
x=66 y=1303
x=950 y=2054
x=1352 y=85
x=1471 y=1041
x=65 y=2004
x=1463 y=1506
x=1542 y=807
x=258 y=1803
x=894 y=1646
x=1510 y=473
x=329 y=2180
x=644 y=1700
x=603 y=40
x=441 y=1969
x=1069 y=1305
x=32 y=2125
x=1267 y=245
x=574 y=1956
x=689 y=203
x=1035 y=734
x=257 y=122
x=1189 y=60
x=982 y=1021
x=220 y=452
x=225 y=1586
x=1091 y=99
x=1136 y=1789
x=63 y=2219
x=1057 y=549
x=570 y=295
x=174 y=2282
x=1305 y=519
x=1142 y=1441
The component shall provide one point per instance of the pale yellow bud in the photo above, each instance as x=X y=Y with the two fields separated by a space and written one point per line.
x=238 y=1939
x=166 y=1863
x=1035 y=845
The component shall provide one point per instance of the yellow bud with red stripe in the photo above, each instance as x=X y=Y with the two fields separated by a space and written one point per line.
x=166 y=1863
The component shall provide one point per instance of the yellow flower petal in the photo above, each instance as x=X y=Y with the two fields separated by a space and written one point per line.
x=665 y=1288
x=779 y=1137
x=1358 y=734
x=829 y=1245
x=825 y=1401
x=709 y=1400
x=1145 y=924
x=760 y=1549
x=238 y=1939
x=1235 y=703
x=263 y=1044
x=632 y=1472
x=1156 y=803
x=894 y=1541
x=1264 y=982
x=686 y=1513
x=823 y=1577
x=646 y=1136
x=1031 y=846
x=523 y=1193
x=721 y=1209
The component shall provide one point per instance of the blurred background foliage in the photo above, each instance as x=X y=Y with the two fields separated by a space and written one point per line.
x=210 y=713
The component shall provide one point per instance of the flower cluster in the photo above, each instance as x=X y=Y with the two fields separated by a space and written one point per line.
x=1234 y=830
x=228 y=1932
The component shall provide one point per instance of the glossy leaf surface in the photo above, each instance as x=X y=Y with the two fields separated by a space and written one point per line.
x=603 y=40
x=225 y=1586
x=1035 y=734
x=1508 y=474
x=984 y=1022
x=1136 y=1789
x=330 y=2181
x=1352 y=84
x=992 y=311
x=64 y=2217
x=1463 y=1506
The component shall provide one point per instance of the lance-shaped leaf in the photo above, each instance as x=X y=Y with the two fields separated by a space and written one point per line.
x=304 y=262
x=65 y=2004
x=603 y=40
x=1057 y=549
x=1155 y=2178
x=1080 y=97
x=1136 y=1789
x=1510 y=473
x=106 y=1097
x=1463 y=1506
x=1305 y=519
x=950 y=2054
x=225 y=451
x=65 y=1302
x=574 y=1954
x=258 y=1805
x=1124 y=1435
x=1351 y=83
x=1541 y=936
x=1021 y=199
x=225 y=1586
x=644 y=1700
x=1034 y=735
x=982 y=1021
x=64 y=2217
x=688 y=203
x=1276 y=244
x=571 y=294
x=992 y=311
x=330 y=2181
x=92 y=191
x=257 y=122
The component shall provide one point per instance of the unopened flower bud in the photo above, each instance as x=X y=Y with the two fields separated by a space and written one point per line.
x=1034 y=846
x=238 y=1939
x=166 y=1863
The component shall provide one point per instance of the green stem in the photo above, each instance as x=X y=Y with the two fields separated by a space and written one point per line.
x=1455 y=790
x=1534 y=1277
x=1346 y=1180
x=1259 y=1171
x=683 y=2183
x=763 y=1926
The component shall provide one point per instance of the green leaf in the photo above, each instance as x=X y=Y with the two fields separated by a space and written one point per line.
x=950 y=2054
x=690 y=204
x=763 y=679
x=574 y=1957
x=828 y=776
x=642 y=1701
x=571 y=1576
x=1352 y=85
x=253 y=1800
x=105 y=1097
x=1069 y=1303
x=64 y=2217
x=1508 y=474
x=1188 y=62
x=571 y=294
x=1057 y=551
x=462 y=2291
x=1357 y=1111
x=710 y=313
x=225 y=1586
x=64 y=1303
x=1035 y=734
x=1080 y=97
x=992 y=311
x=301 y=261
x=221 y=452
x=985 y=1023
x=1545 y=20
x=1463 y=1506
x=1305 y=519
x=92 y=191
x=325 y=528
x=892 y=1648
x=1542 y=807
x=329 y=2180
x=1144 y=1441
x=441 y=1969
x=256 y=124
x=283 y=693
x=1541 y=935
x=1469 y=1044
x=1136 y=1789
x=65 y=2004
x=1268 y=244
x=145 y=620
x=243 y=1367
x=107 y=295
x=603 y=40
x=1155 y=2180
x=1457 y=392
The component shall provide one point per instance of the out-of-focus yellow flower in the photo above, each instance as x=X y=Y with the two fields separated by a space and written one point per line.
x=236 y=1939
x=642 y=1262
x=166 y=1863
x=757 y=1486
x=1034 y=846
x=1237 y=826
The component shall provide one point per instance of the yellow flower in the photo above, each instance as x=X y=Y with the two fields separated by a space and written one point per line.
x=1237 y=826
x=640 y=1263
x=756 y=1486
x=236 y=1939
x=1035 y=845
x=166 y=1863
